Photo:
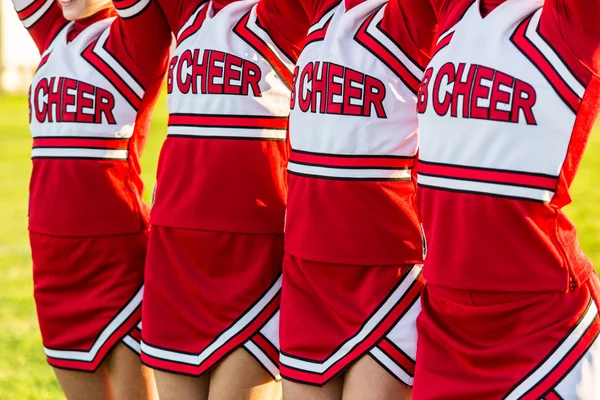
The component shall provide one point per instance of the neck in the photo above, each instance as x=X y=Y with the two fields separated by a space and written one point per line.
x=487 y=6
x=83 y=23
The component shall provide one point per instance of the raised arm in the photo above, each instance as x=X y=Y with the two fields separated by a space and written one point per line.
x=573 y=26
x=286 y=22
x=42 y=18
x=419 y=18
x=141 y=37
x=177 y=12
x=583 y=15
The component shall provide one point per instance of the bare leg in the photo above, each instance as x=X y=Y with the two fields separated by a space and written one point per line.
x=367 y=380
x=298 y=391
x=180 y=387
x=129 y=378
x=240 y=377
x=84 y=385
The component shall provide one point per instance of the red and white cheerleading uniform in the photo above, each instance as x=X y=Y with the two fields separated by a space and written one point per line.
x=214 y=263
x=90 y=105
x=352 y=275
x=506 y=107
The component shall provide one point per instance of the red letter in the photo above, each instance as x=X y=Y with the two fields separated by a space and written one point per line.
x=41 y=114
x=374 y=95
x=293 y=94
x=199 y=70
x=251 y=79
x=215 y=71
x=423 y=94
x=85 y=102
x=353 y=92
x=319 y=87
x=334 y=88
x=172 y=65
x=105 y=103
x=184 y=81
x=524 y=98
x=305 y=78
x=500 y=97
x=462 y=88
x=232 y=75
x=481 y=92
x=441 y=108
x=69 y=93
x=54 y=99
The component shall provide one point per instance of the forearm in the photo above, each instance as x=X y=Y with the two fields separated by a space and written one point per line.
x=141 y=33
x=42 y=18
x=287 y=23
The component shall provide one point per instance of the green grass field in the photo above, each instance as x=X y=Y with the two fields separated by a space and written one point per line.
x=24 y=373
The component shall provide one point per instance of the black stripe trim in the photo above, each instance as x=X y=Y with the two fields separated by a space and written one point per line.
x=259 y=362
x=443 y=189
x=134 y=15
x=272 y=285
x=349 y=167
x=512 y=39
x=366 y=320
x=373 y=156
x=421 y=161
x=226 y=138
x=366 y=32
x=487 y=181
x=116 y=59
x=335 y=178
x=550 y=353
x=113 y=318
x=382 y=365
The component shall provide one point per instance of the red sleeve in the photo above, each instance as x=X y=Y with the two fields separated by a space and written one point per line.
x=286 y=22
x=573 y=27
x=141 y=37
x=315 y=9
x=42 y=18
x=419 y=18
x=178 y=12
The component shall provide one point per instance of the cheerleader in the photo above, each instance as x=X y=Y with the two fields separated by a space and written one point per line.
x=506 y=106
x=90 y=103
x=354 y=249
x=213 y=274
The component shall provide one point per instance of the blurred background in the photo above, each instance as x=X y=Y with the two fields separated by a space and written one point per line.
x=24 y=373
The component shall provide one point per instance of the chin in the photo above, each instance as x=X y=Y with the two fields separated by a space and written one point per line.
x=73 y=10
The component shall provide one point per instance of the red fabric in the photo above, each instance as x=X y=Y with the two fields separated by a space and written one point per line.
x=80 y=285
x=198 y=284
x=353 y=222
x=48 y=26
x=288 y=36
x=247 y=199
x=324 y=305
x=479 y=345
x=80 y=25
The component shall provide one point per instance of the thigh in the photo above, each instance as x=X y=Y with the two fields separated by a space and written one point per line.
x=300 y=391
x=172 y=386
x=129 y=378
x=240 y=377
x=79 y=385
x=368 y=380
